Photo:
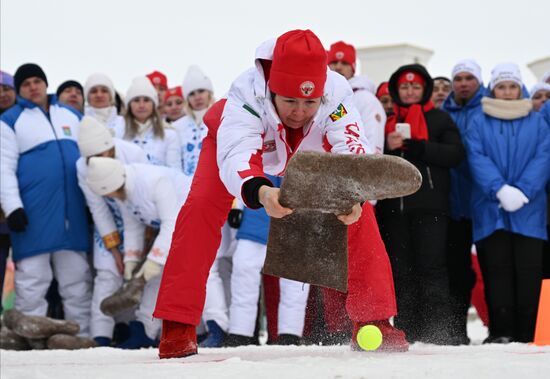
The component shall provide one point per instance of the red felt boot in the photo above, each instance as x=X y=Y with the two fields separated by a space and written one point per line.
x=177 y=340
x=393 y=339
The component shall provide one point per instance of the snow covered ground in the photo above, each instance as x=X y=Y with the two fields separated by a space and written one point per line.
x=422 y=361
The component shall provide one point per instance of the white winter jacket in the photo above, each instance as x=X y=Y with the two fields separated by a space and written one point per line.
x=371 y=111
x=112 y=121
x=251 y=139
x=190 y=137
x=154 y=196
x=127 y=153
x=162 y=152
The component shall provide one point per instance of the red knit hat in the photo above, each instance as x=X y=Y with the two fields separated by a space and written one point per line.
x=383 y=90
x=341 y=51
x=157 y=78
x=176 y=91
x=299 y=67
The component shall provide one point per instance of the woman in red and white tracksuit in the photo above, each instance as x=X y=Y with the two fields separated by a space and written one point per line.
x=288 y=102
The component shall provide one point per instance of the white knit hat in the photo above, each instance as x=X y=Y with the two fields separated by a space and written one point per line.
x=99 y=79
x=93 y=137
x=105 y=175
x=538 y=87
x=505 y=72
x=470 y=66
x=194 y=80
x=141 y=86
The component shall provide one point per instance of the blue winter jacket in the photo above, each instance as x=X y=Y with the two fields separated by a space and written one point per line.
x=545 y=112
x=514 y=152
x=461 y=179
x=38 y=155
x=255 y=223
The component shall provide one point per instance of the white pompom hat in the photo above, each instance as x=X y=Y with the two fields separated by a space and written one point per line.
x=195 y=79
x=141 y=86
x=99 y=79
x=105 y=175
x=93 y=137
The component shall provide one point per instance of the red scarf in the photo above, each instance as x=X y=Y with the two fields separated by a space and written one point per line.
x=413 y=115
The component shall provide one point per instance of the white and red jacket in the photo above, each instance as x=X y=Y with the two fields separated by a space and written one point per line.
x=251 y=138
x=371 y=111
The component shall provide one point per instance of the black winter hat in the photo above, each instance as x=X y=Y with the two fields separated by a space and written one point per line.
x=69 y=83
x=444 y=78
x=28 y=70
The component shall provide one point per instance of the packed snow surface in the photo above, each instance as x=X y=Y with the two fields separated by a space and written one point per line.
x=281 y=362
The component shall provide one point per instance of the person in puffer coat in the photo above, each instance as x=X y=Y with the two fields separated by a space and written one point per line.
x=95 y=140
x=509 y=154
x=146 y=195
x=39 y=193
x=462 y=104
x=414 y=227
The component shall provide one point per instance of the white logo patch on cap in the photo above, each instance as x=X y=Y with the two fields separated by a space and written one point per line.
x=307 y=88
x=410 y=76
x=339 y=55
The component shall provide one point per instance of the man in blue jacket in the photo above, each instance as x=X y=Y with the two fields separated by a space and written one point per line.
x=41 y=198
x=462 y=104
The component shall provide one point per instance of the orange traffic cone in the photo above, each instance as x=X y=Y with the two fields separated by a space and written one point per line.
x=542 y=329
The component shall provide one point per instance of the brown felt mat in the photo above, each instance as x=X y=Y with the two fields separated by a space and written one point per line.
x=311 y=244
x=316 y=253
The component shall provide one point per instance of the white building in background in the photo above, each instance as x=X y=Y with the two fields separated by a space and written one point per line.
x=379 y=62
x=540 y=67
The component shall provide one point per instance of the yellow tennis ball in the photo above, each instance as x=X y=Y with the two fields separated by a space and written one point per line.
x=369 y=337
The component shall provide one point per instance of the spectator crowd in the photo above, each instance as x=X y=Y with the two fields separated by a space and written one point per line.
x=93 y=179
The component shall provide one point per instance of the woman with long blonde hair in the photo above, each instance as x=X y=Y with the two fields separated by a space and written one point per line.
x=145 y=127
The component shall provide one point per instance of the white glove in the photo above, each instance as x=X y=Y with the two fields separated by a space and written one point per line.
x=149 y=270
x=129 y=267
x=511 y=198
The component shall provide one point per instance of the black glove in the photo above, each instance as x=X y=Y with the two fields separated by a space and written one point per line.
x=17 y=220
x=235 y=217
x=414 y=148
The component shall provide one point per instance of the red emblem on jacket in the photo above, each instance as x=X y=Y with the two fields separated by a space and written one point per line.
x=269 y=146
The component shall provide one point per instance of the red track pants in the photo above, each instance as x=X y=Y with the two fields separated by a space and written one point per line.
x=197 y=237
